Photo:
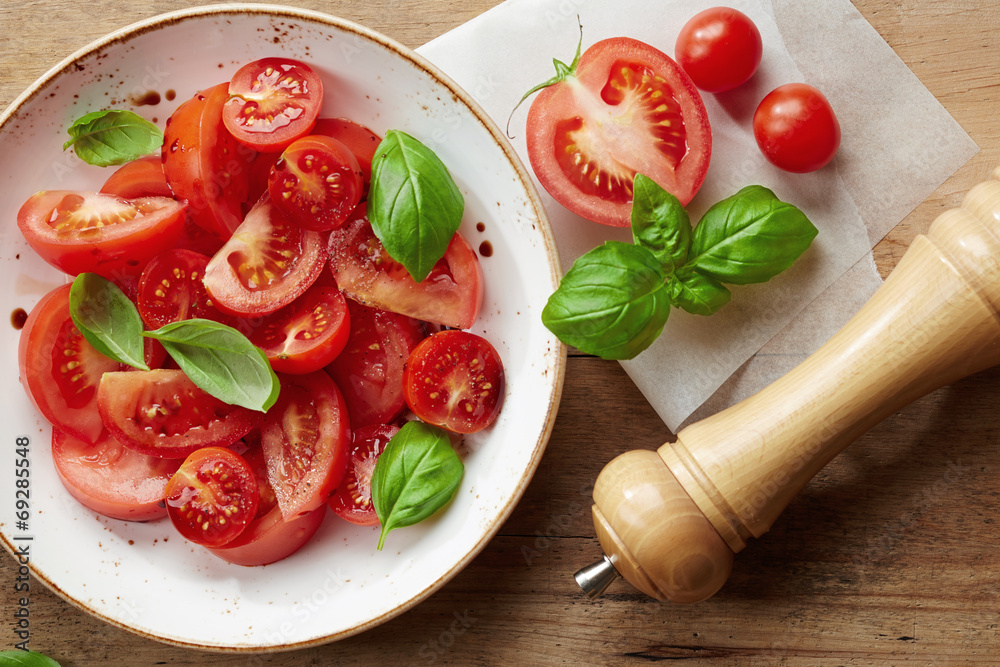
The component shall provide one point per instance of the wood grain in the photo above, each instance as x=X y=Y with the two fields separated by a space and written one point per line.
x=888 y=555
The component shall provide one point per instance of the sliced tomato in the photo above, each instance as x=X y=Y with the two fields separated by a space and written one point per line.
x=265 y=265
x=143 y=177
x=353 y=498
x=204 y=164
x=260 y=171
x=111 y=479
x=307 y=334
x=455 y=380
x=80 y=232
x=272 y=102
x=451 y=295
x=305 y=437
x=317 y=182
x=369 y=371
x=162 y=413
x=627 y=108
x=361 y=141
x=212 y=497
x=171 y=290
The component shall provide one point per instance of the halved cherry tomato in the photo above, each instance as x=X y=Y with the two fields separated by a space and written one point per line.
x=265 y=265
x=79 y=232
x=305 y=437
x=308 y=333
x=163 y=413
x=628 y=108
x=111 y=479
x=204 y=164
x=720 y=49
x=353 y=499
x=260 y=171
x=272 y=102
x=455 y=380
x=451 y=295
x=361 y=141
x=143 y=177
x=212 y=497
x=369 y=371
x=317 y=182
x=796 y=128
x=171 y=290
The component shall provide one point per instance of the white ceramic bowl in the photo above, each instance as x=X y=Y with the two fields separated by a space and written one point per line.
x=145 y=577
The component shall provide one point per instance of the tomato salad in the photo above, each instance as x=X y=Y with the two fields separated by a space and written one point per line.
x=253 y=218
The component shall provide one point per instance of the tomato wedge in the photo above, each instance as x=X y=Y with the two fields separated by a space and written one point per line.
x=79 y=232
x=361 y=141
x=212 y=497
x=627 y=108
x=451 y=295
x=317 y=182
x=162 y=413
x=305 y=437
x=143 y=177
x=111 y=479
x=353 y=498
x=171 y=290
x=265 y=265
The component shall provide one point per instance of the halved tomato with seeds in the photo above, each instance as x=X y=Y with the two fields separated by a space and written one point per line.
x=353 y=498
x=171 y=290
x=317 y=182
x=361 y=141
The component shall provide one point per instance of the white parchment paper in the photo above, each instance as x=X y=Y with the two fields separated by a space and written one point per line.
x=891 y=125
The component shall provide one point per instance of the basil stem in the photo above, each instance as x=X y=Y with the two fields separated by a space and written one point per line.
x=107 y=319
x=112 y=137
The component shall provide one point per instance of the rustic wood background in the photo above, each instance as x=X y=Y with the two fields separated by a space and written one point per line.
x=889 y=555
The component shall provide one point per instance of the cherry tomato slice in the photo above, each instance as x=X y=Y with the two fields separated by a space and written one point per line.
x=796 y=128
x=171 y=290
x=361 y=141
x=353 y=498
x=455 y=380
x=720 y=49
x=317 y=182
x=212 y=497
x=162 y=413
x=305 y=437
x=111 y=479
x=143 y=177
x=272 y=102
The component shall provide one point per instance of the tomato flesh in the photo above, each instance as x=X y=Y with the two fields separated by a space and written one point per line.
x=361 y=141
x=353 y=498
x=171 y=290
x=317 y=183
x=143 y=177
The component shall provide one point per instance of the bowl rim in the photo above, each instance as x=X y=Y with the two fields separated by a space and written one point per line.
x=158 y=21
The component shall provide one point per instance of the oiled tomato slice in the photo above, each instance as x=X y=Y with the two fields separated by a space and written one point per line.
x=265 y=265
x=305 y=437
x=143 y=177
x=111 y=479
x=455 y=380
x=162 y=413
x=353 y=498
x=171 y=290
x=212 y=497
x=317 y=182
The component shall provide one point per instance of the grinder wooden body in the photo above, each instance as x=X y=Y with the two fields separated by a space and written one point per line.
x=671 y=520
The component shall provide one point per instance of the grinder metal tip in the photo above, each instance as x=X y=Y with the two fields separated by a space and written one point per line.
x=595 y=579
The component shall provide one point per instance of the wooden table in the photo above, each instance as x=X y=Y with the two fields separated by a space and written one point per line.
x=889 y=555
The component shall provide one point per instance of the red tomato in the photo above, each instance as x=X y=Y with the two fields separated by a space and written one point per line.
x=720 y=49
x=353 y=498
x=265 y=265
x=370 y=369
x=451 y=295
x=112 y=479
x=272 y=102
x=171 y=290
x=307 y=334
x=361 y=141
x=628 y=108
x=139 y=178
x=60 y=370
x=260 y=171
x=455 y=380
x=317 y=182
x=796 y=129
x=305 y=437
x=162 y=413
x=80 y=232
x=213 y=497
x=204 y=164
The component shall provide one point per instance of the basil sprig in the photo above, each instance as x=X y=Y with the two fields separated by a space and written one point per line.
x=18 y=658
x=112 y=137
x=415 y=476
x=414 y=205
x=615 y=300
x=107 y=319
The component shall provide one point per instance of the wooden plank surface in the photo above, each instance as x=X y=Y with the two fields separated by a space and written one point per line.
x=888 y=556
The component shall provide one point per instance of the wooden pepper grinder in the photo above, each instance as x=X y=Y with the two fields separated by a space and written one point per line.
x=670 y=521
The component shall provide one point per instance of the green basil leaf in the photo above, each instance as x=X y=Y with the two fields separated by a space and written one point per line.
x=414 y=205
x=659 y=223
x=111 y=137
x=25 y=659
x=221 y=361
x=107 y=319
x=749 y=237
x=613 y=302
x=697 y=293
x=415 y=476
